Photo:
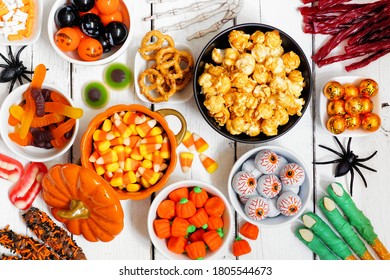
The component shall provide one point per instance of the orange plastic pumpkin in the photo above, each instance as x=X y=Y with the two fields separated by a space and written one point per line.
x=162 y=227
x=196 y=250
x=177 y=244
x=198 y=196
x=83 y=201
x=215 y=206
x=241 y=247
x=249 y=230
x=185 y=208
x=199 y=219
x=212 y=239
x=166 y=209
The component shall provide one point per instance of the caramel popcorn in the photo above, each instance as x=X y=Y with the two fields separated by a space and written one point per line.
x=254 y=85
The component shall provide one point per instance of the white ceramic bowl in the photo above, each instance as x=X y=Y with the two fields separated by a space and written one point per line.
x=304 y=192
x=30 y=153
x=36 y=29
x=324 y=103
x=161 y=244
x=106 y=57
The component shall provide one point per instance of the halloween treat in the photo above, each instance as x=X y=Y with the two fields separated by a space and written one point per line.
x=196 y=250
x=357 y=219
x=76 y=195
x=244 y=183
x=267 y=161
x=188 y=141
x=51 y=234
x=208 y=163
x=249 y=166
x=186 y=159
x=338 y=221
x=171 y=72
x=249 y=230
x=328 y=237
x=257 y=208
x=67 y=39
x=200 y=144
x=95 y=95
x=292 y=175
x=347 y=162
x=118 y=76
x=213 y=239
x=241 y=247
x=314 y=243
x=269 y=186
x=198 y=196
x=10 y=168
x=289 y=203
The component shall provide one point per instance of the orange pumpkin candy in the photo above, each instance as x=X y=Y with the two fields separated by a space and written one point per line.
x=166 y=209
x=185 y=208
x=198 y=196
x=241 y=247
x=215 y=206
x=212 y=239
x=83 y=201
x=177 y=244
x=249 y=230
x=196 y=250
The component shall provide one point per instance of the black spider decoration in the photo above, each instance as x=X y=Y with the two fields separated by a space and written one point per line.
x=348 y=162
x=14 y=69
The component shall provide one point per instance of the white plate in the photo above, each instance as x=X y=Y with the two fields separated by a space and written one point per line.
x=36 y=32
x=141 y=64
x=324 y=102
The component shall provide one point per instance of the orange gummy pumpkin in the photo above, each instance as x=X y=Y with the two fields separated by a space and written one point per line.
x=214 y=206
x=198 y=196
x=196 y=250
x=249 y=230
x=214 y=223
x=241 y=247
x=162 y=227
x=212 y=239
x=83 y=201
x=177 y=244
x=181 y=227
x=166 y=209
x=199 y=219
x=178 y=194
x=185 y=208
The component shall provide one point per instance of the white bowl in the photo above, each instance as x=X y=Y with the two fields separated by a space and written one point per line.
x=161 y=244
x=304 y=192
x=36 y=30
x=30 y=153
x=141 y=64
x=108 y=57
x=324 y=103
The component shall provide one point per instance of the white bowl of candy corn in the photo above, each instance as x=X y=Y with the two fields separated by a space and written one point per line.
x=20 y=21
x=133 y=148
x=209 y=228
x=269 y=186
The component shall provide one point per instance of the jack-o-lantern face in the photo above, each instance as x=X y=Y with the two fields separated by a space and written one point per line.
x=67 y=39
x=90 y=49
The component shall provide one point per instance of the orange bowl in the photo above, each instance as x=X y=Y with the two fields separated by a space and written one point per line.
x=174 y=139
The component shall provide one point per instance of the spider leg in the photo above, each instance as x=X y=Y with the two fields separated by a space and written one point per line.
x=27 y=78
x=11 y=55
x=351 y=183
x=5 y=59
x=366 y=167
x=18 y=53
x=349 y=144
x=328 y=162
x=340 y=145
x=20 y=80
x=361 y=175
x=28 y=72
x=12 y=85
x=331 y=150
x=367 y=158
x=4 y=65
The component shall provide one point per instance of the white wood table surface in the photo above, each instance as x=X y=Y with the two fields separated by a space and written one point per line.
x=279 y=243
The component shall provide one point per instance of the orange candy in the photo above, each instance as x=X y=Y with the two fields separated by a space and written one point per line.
x=208 y=163
x=186 y=159
x=200 y=144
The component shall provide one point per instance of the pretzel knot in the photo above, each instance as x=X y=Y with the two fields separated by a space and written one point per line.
x=149 y=48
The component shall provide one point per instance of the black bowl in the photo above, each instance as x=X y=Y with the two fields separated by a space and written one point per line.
x=221 y=41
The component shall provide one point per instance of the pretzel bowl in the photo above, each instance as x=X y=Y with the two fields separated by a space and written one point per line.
x=221 y=42
x=89 y=146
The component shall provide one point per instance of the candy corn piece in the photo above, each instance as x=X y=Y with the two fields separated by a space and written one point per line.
x=146 y=149
x=133 y=187
x=144 y=128
x=132 y=117
x=165 y=151
x=107 y=125
x=157 y=162
x=149 y=175
x=123 y=129
x=94 y=156
x=120 y=151
x=188 y=141
x=186 y=159
x=108 y=157
x=208 y=163
x=200 y=144
x=131 y=164
x=101 y=135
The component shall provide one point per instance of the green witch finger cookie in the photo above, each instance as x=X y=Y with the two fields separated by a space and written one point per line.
x=328 y=207
x=314 y=243
x=326 y=234
x=357 y=219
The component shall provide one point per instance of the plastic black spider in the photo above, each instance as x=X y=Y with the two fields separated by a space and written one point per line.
x=14 y=69
x=348 y=162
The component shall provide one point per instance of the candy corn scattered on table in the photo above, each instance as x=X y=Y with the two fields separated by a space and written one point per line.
x=207 y=156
